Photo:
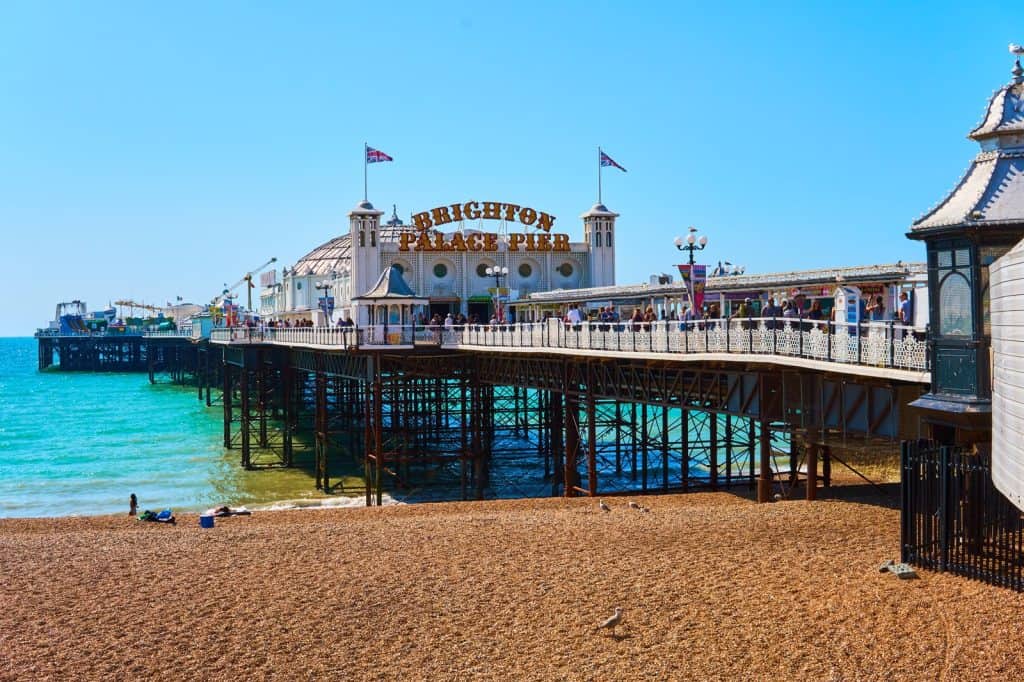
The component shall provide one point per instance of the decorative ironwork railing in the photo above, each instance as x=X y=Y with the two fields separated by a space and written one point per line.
x=877 y=344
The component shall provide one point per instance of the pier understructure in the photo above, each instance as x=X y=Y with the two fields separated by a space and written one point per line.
x=440 y=423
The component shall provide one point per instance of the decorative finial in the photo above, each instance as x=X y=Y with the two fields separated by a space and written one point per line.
x=1018 y=71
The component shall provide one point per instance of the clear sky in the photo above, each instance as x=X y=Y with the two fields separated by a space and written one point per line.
x=151 y=150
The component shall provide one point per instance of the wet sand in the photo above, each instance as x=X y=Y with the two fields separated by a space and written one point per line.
x=712 y=585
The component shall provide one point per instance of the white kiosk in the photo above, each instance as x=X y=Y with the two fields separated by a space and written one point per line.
x=847 y=306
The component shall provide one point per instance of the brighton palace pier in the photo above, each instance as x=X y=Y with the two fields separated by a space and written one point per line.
x=448 y=269
x=762 y=404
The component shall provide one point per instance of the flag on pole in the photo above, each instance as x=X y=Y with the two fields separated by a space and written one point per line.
x=609 y=161
x=376 y=156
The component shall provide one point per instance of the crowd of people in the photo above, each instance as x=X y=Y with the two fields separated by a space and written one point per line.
x=641 y=318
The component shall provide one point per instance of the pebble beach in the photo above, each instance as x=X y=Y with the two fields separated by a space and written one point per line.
x=712 y=586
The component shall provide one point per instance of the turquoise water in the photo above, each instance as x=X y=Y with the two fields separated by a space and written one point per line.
x=80 y=443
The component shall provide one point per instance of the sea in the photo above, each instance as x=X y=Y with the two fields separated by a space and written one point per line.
x=79 y=443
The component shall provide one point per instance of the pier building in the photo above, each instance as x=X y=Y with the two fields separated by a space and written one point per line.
x=444 y=255
x=670 y=299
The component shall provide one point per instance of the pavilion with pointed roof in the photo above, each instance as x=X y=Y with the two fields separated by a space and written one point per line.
x=981 y=219
x=391 y=301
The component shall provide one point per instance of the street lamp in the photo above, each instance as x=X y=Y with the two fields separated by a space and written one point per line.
x=324 y=286
x=691 y=243
x=497 y=272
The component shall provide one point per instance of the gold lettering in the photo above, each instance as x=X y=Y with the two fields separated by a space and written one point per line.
x=545 y=221
x=423 y=242
x=473 y=241
x=492 y=210
x=456 y=212
x=438 y=241
x=422 y=221
x=441 y=216
x=404 y=239
x=530 y=244
x=458 y=242
x=514 y=240
x=561 y=242
x=543 y=242
x=510 y=211
x=472 y=210
x=490 y=241
x=527 y=216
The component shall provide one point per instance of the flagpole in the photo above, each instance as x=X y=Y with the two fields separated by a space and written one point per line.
x=599 y=175
x=366 y=147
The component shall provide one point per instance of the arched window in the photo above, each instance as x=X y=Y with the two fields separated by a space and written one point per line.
x=955 y=317
x=608 y=238
x=597 y=238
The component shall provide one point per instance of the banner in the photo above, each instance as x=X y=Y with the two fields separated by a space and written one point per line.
x=695 y=282
x=327 y=305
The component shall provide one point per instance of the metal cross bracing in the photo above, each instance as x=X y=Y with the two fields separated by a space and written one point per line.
x=437 y=424
x=261 y=392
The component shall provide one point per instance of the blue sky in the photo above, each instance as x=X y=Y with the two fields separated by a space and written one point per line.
x=151 y=150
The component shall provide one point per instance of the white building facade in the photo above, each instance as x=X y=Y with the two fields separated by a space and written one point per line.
x=444 y=256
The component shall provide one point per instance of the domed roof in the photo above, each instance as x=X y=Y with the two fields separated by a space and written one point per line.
x=1005 y=113
x=599 y=210
x=332 y=256
x=991 y=192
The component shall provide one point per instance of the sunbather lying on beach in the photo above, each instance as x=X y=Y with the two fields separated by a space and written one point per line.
x=228 y=511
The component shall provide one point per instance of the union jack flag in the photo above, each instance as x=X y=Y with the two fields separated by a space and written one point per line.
x=609 y=161
x=376 y=156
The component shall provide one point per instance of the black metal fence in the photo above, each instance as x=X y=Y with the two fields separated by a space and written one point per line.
x=953 y=519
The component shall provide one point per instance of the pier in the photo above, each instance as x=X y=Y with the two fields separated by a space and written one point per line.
x=597 y=410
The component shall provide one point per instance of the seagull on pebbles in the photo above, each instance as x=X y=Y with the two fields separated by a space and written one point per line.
x=634 y=505
x=614 y=620
x=603 y=507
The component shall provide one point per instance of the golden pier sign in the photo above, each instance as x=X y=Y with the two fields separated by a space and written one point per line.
x=425 y=240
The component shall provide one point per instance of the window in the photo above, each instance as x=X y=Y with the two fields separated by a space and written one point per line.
x=608 y=238
x=953 y=278
x=565 y=269
x=597 y=238
x=481 y=270
x=955 y=306
x=298 y=285
x=988 y=255
x=373 y=237
x=525 y=270
x=440 y=271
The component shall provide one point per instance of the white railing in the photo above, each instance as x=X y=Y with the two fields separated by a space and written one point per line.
x=184 y=332
x=877 y=344
x=339 y=337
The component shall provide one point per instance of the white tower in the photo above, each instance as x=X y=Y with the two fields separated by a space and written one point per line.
x=599 y=233
x=364 y=224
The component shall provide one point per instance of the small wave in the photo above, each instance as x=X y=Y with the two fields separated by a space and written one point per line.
x=326 y=503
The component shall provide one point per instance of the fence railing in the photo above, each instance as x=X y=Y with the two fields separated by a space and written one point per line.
x=953 y=518
x=340 y=337
x=881 y=344
x=183 y=332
